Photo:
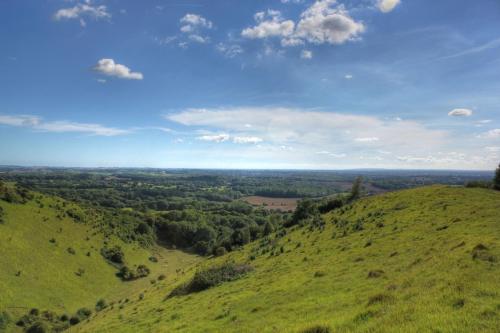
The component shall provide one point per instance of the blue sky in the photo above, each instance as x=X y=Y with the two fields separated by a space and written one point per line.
x=251 y=84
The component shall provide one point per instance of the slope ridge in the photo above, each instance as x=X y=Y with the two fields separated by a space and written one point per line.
x=420 y=260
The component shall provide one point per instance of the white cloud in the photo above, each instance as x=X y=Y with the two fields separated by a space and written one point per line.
x=460 y=113
x=37 y=123
x=386 y=6
x=306 y=54
x=348 y=76
x=327 y=153
x=247 y=139
x=315 y=130
x=193 y=22
x=101 y=80
x=214 y=138
x=193 y=25
x=269 y=24
x=323 y=22
x=110 y=68
x=82 y=10
x=229 y=50
x=199 y=39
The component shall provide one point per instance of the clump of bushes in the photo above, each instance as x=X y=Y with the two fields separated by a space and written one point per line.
x=211 y=277
x=101 y=305
x=2 y=214
x=113 y=254
x=127 y=274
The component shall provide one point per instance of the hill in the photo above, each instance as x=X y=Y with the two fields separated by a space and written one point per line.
x=51 y=257
x=420 y=260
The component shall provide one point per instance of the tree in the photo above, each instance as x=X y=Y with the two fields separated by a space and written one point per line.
x=496 y=180
x=356 y=188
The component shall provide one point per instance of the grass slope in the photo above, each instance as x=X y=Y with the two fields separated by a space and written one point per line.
x=400 y=262
x=39 y=273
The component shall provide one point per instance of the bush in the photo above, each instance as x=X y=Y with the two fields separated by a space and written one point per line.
x=220 y=251
x=74 y=320
x=38 y=327
x=84 y=313
x=114 y=254
x=101 y=305
x=496 y=180
x=126 y=274
x=211 y=277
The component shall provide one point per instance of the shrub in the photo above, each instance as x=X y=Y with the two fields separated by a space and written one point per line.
x=71 y=250
x=162 y=277
x=126 y=274
x=220 y=251
x=84 y=313
x=38 y=327
x=211 y=277
x=74 y=320
x=480 y=252
x=379 y=298
x=114 y=254
x=101 y=305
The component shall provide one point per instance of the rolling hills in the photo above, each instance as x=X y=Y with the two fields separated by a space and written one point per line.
x=420 y=260
x=50 y=259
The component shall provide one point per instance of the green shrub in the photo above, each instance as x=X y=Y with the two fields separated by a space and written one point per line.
x=211 y=277
x=84 y=313
x=114 y=254
x=220 y=251
x=38 y=327
x=101 y=305
x=126 y=274
x=74 y=320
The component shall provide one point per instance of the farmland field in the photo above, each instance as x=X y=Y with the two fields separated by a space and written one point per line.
x=282 y=204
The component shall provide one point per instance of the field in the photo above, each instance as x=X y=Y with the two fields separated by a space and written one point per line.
x=423 y=260
x=282 y=204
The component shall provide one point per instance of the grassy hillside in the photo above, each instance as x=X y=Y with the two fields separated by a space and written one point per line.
x=51 y=261
x=422 y=260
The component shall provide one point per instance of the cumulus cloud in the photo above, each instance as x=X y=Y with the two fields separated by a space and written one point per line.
x=460 y=113
x=386 y=6
x=193 y=26
x=306 y=54
x=325 y=23
x=110 y=68
x=322 y=22
x=193 y=22
x=269 y=24
x=37 y=123
x=348 y=76
x=81 y=11
x=214 y=138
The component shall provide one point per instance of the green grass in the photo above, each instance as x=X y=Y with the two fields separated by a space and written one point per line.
x=410 y=269
x=38 y=270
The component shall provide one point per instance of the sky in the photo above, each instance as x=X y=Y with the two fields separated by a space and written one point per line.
x=275 y=84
